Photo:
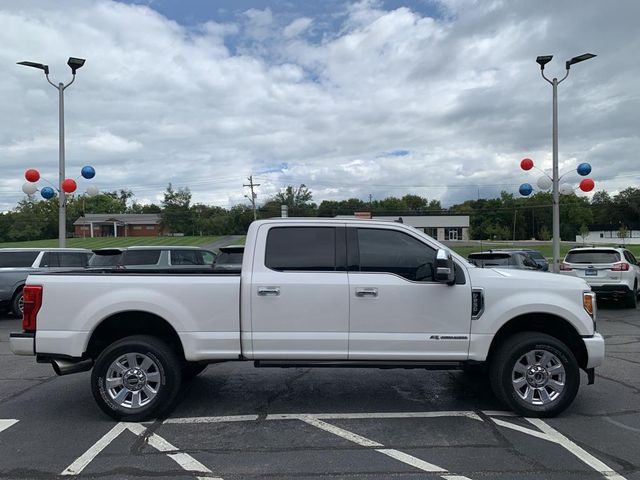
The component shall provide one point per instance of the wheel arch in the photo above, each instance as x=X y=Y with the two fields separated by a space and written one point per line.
x=131 y=322
x=550 y=324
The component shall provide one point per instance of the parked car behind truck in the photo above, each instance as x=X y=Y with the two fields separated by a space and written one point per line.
x=17 y=263
x=316 y=292
x=160 y=257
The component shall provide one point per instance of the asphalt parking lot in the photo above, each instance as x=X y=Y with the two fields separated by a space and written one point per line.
x=237 y=422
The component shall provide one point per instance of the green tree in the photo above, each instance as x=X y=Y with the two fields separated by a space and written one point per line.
x=299 y=201
x=176 y=214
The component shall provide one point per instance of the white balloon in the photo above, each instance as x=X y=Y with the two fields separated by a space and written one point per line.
x=29 y=188
x=566 y=189
x=92 y=190
x=544 y=183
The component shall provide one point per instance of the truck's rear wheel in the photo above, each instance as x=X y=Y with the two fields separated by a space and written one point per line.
x=535 y=374
x=136 y=378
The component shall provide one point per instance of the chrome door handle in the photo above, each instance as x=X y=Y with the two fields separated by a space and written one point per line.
x=269 y=291
x=366 y=292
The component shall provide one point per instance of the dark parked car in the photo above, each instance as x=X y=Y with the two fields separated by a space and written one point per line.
x=229 y=259
x=537 y=257
x=503 y=259
x=17 y=263
x=143 y=258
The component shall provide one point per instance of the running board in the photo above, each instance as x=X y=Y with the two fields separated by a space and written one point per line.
x=427 y=365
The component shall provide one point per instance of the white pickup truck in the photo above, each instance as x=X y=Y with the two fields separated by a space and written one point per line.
x=315 y=292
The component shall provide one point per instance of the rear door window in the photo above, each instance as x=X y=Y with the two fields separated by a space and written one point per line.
x=72 y=259
x=186 y=257
x=301 y=249
x=17 y=259
x=593 y=256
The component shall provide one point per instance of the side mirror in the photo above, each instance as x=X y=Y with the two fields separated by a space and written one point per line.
x=445 y=269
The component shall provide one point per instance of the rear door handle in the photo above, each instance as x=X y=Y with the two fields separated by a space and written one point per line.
x=268 y=291
x=367 y=292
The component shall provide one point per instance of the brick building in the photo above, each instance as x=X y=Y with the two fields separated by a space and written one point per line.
x=119 y=225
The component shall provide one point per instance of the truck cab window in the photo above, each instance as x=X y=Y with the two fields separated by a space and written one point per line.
x=301 y=249
x=389 y=251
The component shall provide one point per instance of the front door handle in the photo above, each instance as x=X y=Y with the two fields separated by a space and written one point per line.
x=268 y=291
x=367 y=292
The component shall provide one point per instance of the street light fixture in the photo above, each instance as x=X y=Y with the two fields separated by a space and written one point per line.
x=542 y=61
x=74 y=63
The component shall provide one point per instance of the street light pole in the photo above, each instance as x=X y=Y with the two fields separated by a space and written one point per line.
x=542 y=61
x=62 y=197
x=74 y=64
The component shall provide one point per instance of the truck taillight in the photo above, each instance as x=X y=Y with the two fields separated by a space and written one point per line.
x=32 y=298
x=565 y=267
x=620 y=267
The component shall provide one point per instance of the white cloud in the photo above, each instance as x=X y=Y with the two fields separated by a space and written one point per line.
x=296 y=27
x=110 y=143
x=207 y=106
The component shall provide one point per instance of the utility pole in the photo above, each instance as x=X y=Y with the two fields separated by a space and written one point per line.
x=370 y=203
x=253 y=196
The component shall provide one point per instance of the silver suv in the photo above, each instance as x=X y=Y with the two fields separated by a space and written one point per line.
x=152 y=258
x=16 y=264
x=612 y=272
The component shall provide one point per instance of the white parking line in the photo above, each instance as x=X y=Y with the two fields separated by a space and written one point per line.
x=224 y=418
x=390 y=452
x=6 y=423
x=548 y=433
x=186 y=461
x=340 y=432
x=354 y=416
x=85 y=459
x=586 y=457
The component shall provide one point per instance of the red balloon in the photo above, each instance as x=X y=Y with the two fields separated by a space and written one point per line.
x=69 y=185
x=526 y=164
x=587 y=185
x=32 y=175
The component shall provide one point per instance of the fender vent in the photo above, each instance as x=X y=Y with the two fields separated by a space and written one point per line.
x=477 y=303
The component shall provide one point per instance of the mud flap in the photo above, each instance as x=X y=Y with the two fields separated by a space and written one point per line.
x=591 y=375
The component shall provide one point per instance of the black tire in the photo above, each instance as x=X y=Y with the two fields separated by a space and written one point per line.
x=16 y=303
x=561 y=389
x=191 y=370
x=164 y=376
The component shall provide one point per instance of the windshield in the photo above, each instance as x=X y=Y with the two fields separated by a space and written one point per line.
x=225 y=258
x=593 y=256
x=105 y=260
x=536 y=255
x=490 y=259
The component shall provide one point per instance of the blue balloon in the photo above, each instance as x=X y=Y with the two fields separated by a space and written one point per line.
x=88 y=172
x=583 y=169
x=47 y=193
x=525 y=189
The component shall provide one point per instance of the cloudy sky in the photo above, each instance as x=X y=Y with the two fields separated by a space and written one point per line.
x=436 y=98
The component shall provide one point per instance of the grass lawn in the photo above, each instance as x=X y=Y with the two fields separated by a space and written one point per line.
x=102 y=242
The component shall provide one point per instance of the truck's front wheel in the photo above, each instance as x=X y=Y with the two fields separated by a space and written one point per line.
x=136 y=378
x=535 y=374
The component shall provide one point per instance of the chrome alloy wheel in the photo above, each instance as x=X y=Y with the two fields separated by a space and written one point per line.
x=538 y=377
x=133 y=380
x=21 y=304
